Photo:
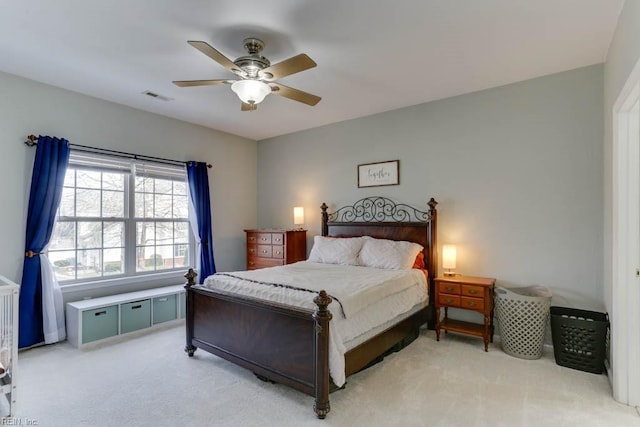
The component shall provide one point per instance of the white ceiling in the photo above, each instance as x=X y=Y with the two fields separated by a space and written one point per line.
x=372 y=55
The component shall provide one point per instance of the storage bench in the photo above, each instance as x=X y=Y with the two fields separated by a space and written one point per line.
x=96 y=319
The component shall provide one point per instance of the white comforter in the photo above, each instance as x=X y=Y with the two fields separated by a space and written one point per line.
x=363 y=297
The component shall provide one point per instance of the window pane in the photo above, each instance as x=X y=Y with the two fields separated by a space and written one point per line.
x=144 y=205
x=180 y=188
x=144 y=184
x=112 y=181
x=89 y=234
x=181 y=232
x=64 y=264
x=163 y=186
x=88 y=203
x=88 y=179
x=113 y=235
x=145 y=234
x=180 y=256
x=145 y=258
x=113 y=204
x=70 y=178
x=163 y=206
x=113 y=261
x=164 y=233
x=89 y=263
x=180 y=207
x=164 y=257
x=67 y=202
x=63 y=236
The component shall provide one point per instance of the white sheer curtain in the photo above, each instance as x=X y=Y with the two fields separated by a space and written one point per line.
x=52 y=306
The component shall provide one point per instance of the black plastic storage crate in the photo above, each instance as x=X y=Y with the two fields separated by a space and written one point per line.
x=579 y=338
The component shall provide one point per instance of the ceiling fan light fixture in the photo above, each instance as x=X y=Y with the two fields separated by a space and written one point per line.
x=251 y=91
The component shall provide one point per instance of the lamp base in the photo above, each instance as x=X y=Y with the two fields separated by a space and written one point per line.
x=450 y=273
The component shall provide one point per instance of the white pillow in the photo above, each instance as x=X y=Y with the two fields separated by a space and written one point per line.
x=330 y=250
x=388 y=254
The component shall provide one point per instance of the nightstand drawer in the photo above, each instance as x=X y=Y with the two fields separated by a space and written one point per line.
x=449 y=300
x=473 y=291
x=449 y=288
x=472 y=303
x=277 y=252
x=264 y=251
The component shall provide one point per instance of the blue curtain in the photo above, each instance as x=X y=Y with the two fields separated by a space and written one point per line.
x=49 y=167
x=199 y=190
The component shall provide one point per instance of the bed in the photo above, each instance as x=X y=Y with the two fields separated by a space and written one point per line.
x=290 y=345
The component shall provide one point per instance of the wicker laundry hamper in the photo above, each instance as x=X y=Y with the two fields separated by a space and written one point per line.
x=523 y=314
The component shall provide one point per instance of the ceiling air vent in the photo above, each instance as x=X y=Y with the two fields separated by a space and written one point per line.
x=156 y=96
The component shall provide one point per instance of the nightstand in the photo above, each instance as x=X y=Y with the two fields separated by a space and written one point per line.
x=466 y=293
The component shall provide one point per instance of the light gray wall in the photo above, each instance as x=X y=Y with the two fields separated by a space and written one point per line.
x=517 y=171
x=30 y=107
x=624 y=53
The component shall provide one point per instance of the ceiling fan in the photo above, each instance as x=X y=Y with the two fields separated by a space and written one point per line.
x=256 y=74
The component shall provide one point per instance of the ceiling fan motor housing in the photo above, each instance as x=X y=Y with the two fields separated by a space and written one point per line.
x=253 y=62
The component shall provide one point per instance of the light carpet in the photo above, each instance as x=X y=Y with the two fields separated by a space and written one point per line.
x=147 y=380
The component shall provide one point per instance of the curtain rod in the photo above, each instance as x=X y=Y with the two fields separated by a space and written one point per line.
x=33 y=140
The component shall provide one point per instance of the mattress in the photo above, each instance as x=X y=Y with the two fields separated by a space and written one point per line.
x=366 y=300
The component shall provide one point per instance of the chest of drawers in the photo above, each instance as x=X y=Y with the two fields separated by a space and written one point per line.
x=269 y=248
x=467 y=293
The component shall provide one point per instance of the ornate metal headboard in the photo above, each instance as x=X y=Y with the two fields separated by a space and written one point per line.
x=383 y=218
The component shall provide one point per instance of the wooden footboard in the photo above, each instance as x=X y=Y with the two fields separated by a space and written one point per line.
x=284 y=344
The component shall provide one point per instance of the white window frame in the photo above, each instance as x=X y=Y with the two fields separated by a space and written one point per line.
x=130 y=167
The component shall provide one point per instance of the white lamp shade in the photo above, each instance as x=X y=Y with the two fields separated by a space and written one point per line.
x=449 y=256
x=251 y=91
x=298 y=215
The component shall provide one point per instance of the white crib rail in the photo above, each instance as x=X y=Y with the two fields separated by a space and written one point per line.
x=8 y=344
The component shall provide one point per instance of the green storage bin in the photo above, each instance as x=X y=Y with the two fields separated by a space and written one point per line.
x=183 y=305
x=135 y=315
x=99 y=323
x=165 y=308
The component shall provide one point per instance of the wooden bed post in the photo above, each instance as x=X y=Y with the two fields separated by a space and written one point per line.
x=191 y=280
x=433 y=262
x=322 y=316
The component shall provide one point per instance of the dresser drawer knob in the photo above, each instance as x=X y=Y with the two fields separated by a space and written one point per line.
x=264 y=239
x=264 y=251
x=251 y=263
x=449 y=288
x=448 y=300
x=277 y=252
x=471 y=303
x=473 y=291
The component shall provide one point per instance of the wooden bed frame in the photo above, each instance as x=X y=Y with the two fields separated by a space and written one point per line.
x=290 y=345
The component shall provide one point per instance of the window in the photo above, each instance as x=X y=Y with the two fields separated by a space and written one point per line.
x=120 y=217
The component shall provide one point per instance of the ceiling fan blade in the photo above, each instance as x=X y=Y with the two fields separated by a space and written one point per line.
x=189 y=83
x=287 y=67
x=212 y=53
x=295 y=94
x=248 y=107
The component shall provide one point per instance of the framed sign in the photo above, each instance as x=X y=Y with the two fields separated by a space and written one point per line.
x=379 y=174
